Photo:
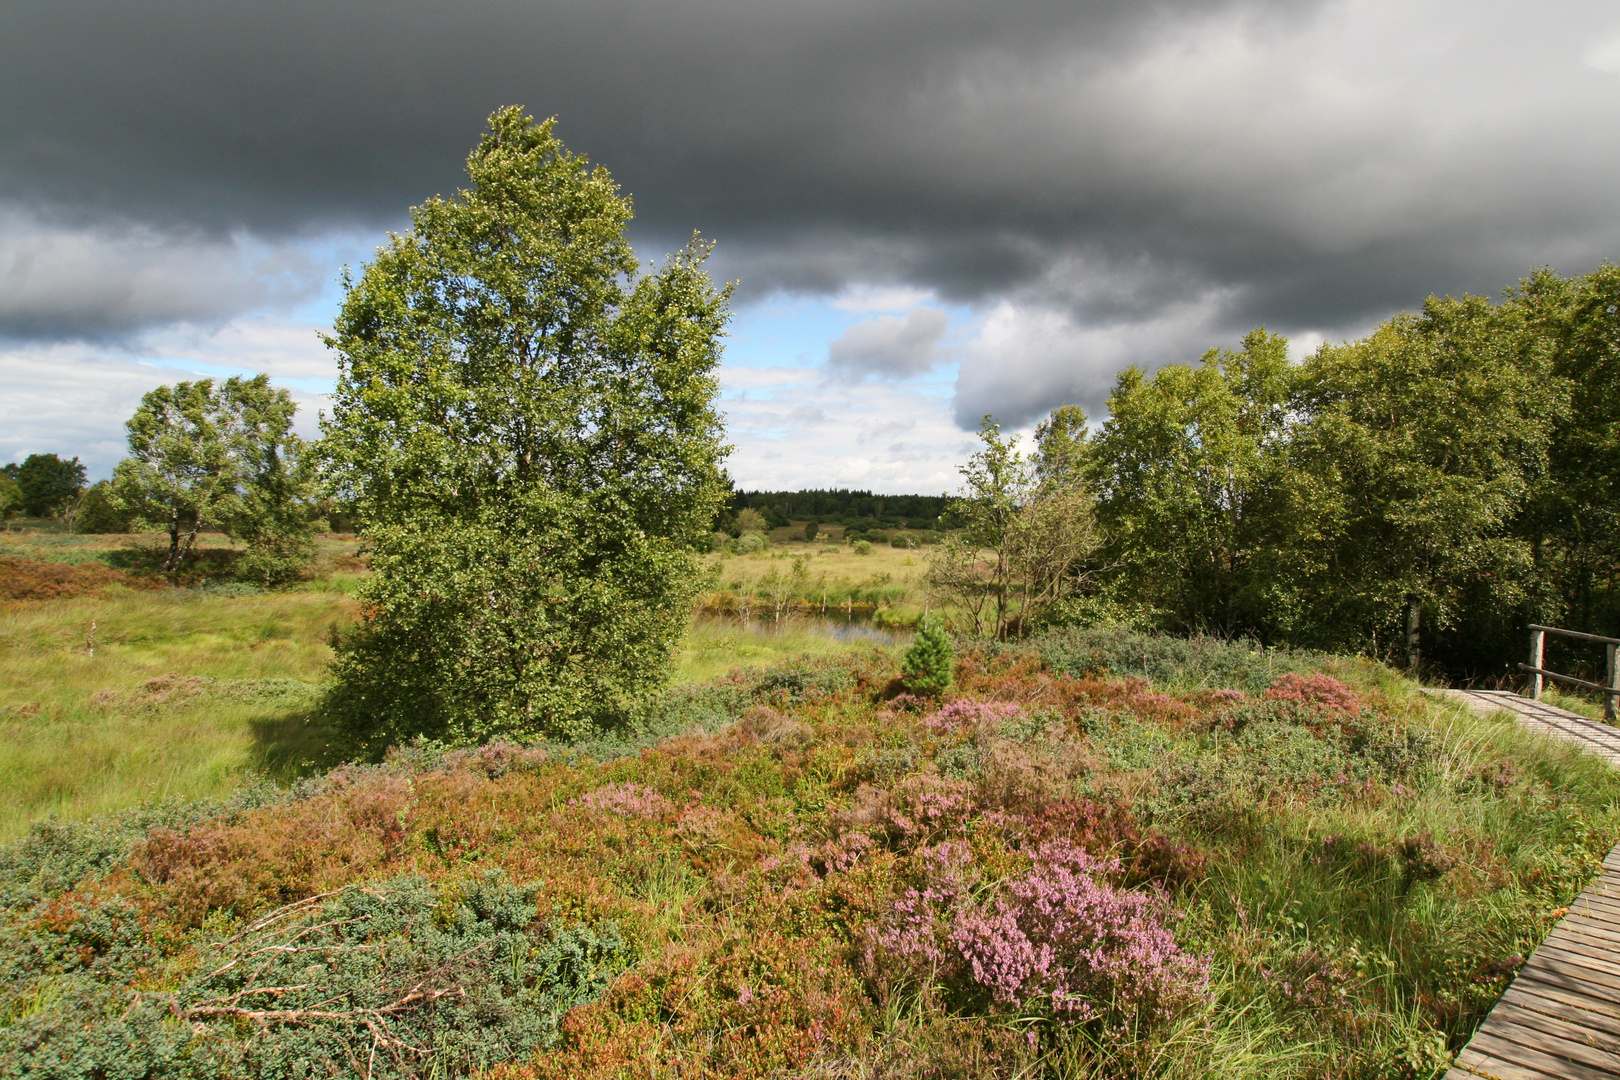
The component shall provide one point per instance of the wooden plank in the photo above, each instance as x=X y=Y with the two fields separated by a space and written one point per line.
x=1560 y=1017
x=1558 y=1003
x=1578 y=922
x=1502 y=1054
x=1598 y=905
x=1583 y=967
x=1592 y=996
x=1555 y=1035
x=1569 y=941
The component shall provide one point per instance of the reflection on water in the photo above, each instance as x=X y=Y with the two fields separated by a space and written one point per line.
x=840 y=629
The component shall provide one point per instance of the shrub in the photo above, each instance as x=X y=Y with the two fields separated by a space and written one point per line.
x=1197 y=662
x=926 y=668
x=383 y=975
x=626 y=800
x=750 y=542
x=1056 y=939
x=812 y=529
x=100 y=514
x=902 y=540
x=862 y=547
x=1319 y=692
x=968 y=715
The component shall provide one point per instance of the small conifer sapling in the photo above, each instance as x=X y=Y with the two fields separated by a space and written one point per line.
x=926 y=668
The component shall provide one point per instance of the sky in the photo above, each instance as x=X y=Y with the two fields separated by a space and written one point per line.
x=934 y=210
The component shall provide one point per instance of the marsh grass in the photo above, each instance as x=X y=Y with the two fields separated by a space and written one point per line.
x=1362 y=880
x=83 y=734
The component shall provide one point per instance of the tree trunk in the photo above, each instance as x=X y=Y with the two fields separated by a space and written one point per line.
x=1414 y=634
x=171 y=565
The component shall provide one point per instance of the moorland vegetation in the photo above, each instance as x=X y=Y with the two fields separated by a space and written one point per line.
x=1067 y=833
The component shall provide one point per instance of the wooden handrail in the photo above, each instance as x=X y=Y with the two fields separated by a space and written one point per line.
x=1609 y=687
x=1577 y=634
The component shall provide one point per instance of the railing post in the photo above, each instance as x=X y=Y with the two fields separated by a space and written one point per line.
x=1612 y=681
x=1538 y=652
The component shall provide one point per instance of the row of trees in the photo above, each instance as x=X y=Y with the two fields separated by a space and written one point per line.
x=1420 y=493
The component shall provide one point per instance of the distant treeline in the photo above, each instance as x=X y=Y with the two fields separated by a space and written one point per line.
x=841 y=506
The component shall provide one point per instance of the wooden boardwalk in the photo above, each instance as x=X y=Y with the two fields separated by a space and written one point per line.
x=1560 y=1017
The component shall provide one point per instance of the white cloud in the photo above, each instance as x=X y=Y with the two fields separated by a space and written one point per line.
x=1028 y=359
x=807 y=432
x=1604 y=55
x=889 y=346
x=72 y=398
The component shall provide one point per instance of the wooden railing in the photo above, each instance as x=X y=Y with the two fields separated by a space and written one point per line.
x=1609 y=687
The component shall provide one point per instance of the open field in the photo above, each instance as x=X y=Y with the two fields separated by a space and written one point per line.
x=888 y=584
x=190 y=690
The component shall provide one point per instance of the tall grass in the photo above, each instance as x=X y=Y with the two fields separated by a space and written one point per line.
x=83 y=734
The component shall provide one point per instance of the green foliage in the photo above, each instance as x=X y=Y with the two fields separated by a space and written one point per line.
x=226 y=457
x=812 y=529
x=1424 y=443
x=1420 y=493
x=181 y=474
x=930 y=659
x=1191 y=663
x=527 y=430
x=749 y=520
x=412 y=979
x=277 y=484
x=99 y=512
x=49 y=484
x=11 y=497
x=862 y=547
x=1026 y=529
x=1185 y=472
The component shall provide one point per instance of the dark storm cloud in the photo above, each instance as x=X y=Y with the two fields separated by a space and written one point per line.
x=1112 y=183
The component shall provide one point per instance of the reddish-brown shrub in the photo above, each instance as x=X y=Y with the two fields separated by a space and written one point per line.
x=26 y=579
x=1321 y=692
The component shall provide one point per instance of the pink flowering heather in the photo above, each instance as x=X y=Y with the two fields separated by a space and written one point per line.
x=1058 y=935
x=966 y=715
x=914 y=925
x=627 y=799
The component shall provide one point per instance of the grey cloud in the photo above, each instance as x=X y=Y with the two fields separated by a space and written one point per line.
x=1153 y=178
x=891 y=346
x=96 y=282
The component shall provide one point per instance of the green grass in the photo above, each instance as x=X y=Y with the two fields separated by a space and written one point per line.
x=83 y=735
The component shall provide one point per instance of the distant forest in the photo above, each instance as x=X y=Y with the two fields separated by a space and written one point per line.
x=840 y=506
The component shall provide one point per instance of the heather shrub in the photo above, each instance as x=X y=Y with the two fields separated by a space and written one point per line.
x=964 y=715
x=1056 y=939
x=1317 y=691
x=625 y=799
